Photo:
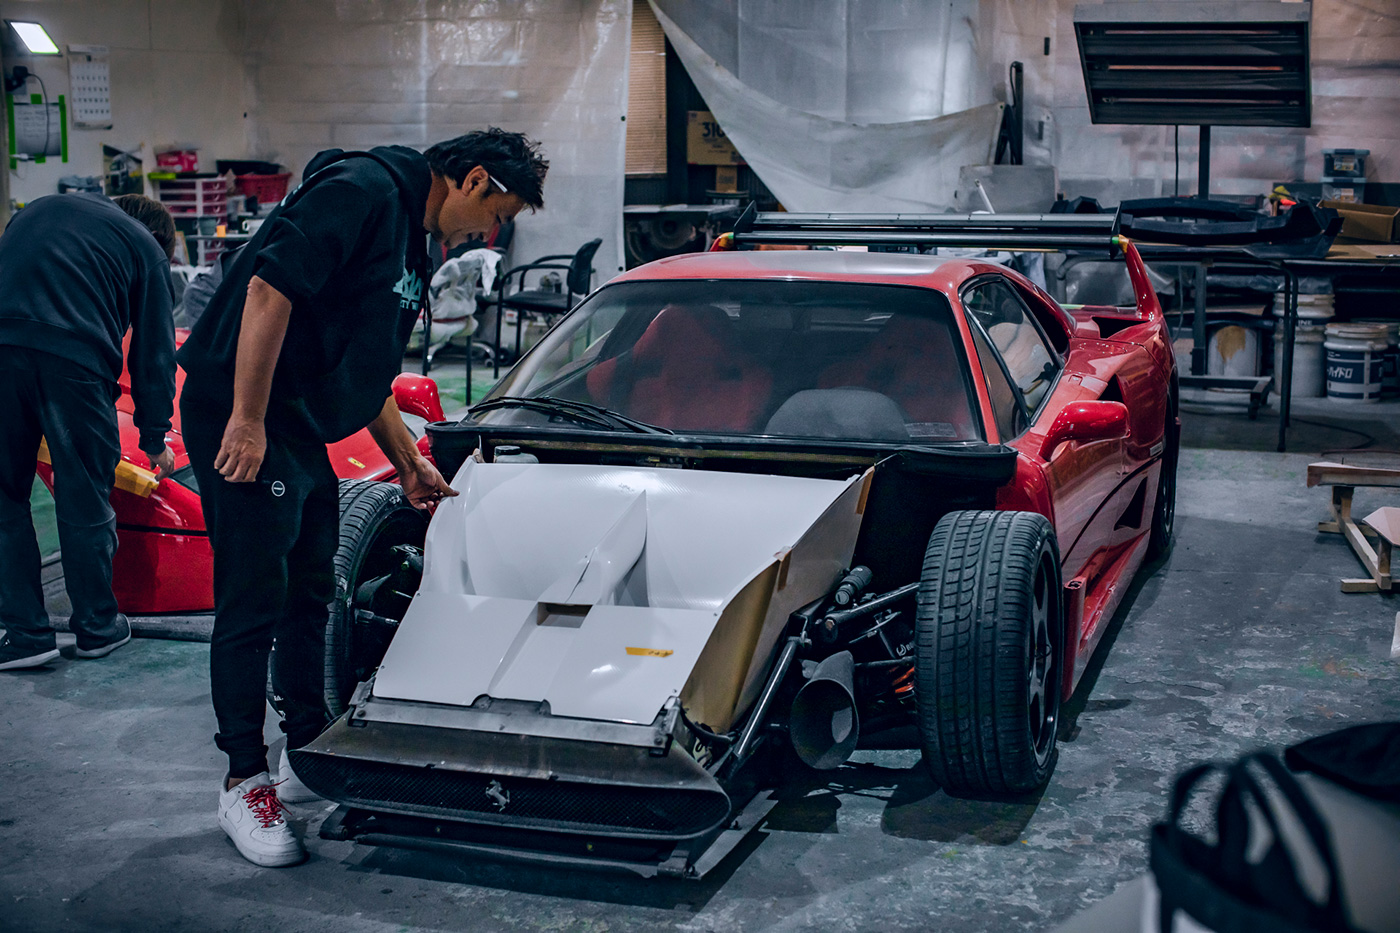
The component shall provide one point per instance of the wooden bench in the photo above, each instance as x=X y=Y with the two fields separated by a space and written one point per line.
x=1382 y=524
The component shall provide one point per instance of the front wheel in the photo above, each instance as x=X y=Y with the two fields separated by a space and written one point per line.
x=377 y=570
x=990 y=626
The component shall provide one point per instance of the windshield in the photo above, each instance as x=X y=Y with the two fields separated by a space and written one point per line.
x=768 y=357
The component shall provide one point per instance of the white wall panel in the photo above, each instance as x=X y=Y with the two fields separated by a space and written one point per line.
x=359 y=74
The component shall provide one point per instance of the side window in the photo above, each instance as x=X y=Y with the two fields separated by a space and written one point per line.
x=1008 y=323
x=1006 y=407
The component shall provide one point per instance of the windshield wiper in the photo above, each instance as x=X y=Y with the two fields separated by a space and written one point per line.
x=581 y=412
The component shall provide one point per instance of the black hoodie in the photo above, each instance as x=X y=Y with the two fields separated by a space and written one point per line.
x=75 y=272
x=348 y=249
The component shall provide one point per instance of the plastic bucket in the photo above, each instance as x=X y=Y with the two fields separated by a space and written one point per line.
x=1308 y=367
x=1233 y=351
x=1355 y=357
x=1315 y=307
x=1390 y=366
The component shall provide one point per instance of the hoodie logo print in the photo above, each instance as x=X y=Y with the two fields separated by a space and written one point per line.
x=410 y=290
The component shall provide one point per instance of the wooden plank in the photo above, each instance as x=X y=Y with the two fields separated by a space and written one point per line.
x=1360 y=586
x=1327 y=473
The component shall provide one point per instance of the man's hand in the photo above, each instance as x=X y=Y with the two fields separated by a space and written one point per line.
x=163 y=462
x=423 y=484
x=242 y=450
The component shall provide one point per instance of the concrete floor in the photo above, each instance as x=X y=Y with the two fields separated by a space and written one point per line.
x=1241 y=638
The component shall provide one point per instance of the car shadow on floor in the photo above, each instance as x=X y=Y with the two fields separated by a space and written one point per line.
x=602 y=886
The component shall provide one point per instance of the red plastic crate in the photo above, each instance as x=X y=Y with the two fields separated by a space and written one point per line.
x=182 y=160
x=268 y=189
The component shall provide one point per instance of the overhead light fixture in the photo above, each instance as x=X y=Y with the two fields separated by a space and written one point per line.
x=35 y=37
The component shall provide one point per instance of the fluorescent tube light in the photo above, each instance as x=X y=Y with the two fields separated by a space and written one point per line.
x=35 y=37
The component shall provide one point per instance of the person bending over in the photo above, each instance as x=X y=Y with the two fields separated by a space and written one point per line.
x=76 y=271
x=297 y=349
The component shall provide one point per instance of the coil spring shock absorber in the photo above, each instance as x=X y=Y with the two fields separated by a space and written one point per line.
x=904 y=684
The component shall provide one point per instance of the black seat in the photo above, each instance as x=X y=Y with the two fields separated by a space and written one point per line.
x=577 y=282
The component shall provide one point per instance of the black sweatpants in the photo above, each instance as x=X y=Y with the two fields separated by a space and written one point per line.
x=274 y=543
x=42 y=395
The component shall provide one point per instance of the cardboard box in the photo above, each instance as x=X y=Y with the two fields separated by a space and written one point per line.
x=727 y=178
x=1365 y=223
x=706 y=143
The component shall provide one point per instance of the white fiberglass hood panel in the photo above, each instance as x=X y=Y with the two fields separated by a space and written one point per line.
x=593 y=588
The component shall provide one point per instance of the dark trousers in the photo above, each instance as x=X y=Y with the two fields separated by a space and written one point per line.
x=42 y=395
x=274 y=543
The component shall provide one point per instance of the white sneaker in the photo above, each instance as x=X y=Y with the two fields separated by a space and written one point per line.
x=254 y=819
x=290 y=789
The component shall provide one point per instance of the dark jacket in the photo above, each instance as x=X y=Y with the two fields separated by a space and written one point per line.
x=348 y=249
x=75 y=273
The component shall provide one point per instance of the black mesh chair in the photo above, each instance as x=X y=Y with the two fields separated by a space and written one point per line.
x=577 y=282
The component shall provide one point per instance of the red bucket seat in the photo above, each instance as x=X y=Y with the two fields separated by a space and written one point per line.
x=688 y=371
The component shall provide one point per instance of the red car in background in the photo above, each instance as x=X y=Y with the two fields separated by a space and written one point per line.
x=163 y=563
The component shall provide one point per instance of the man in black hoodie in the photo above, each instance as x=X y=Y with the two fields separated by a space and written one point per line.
x=76 y=271
x=297 y=349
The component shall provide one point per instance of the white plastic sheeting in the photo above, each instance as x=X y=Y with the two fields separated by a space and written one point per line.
x=865 y=105
x=361 y=74
x=593 y=588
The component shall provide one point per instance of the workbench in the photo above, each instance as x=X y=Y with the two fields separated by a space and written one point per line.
x=1381 y=274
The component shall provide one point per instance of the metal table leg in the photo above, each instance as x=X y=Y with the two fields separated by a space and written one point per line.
x=1199 y=341
x=1285 y=390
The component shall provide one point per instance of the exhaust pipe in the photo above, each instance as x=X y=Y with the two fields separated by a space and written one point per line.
x=825 y=725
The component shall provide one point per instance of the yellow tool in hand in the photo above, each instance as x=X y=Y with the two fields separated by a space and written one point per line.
x=131 y=478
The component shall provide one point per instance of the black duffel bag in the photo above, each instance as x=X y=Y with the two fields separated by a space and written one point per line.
x=1216 y=885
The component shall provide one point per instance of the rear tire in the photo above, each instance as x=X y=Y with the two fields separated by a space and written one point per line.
x=374 y=518
x=990 y=648
x=1164 y=509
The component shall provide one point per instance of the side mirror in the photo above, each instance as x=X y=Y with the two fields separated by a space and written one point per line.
x=1086 y=421
x=417 y=395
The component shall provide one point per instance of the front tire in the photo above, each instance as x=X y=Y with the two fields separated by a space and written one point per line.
x=379 y=532
x=990 y=626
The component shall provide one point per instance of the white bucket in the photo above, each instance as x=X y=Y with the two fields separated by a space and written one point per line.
x=1308 y=366
x=1390 y=366
x=1233 y=351
x=1315 y=307
x=1355 y=355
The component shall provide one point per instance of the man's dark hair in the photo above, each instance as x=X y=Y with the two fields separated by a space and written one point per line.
x=152 y=215
x=513 y=159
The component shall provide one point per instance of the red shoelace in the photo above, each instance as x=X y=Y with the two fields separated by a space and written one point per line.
x=263 y=802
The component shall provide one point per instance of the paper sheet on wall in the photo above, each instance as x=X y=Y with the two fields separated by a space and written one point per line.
x=90 y=86
x=36 y=123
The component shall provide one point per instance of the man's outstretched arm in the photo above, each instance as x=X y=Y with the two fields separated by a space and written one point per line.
x=422 y=483
x=266 y=312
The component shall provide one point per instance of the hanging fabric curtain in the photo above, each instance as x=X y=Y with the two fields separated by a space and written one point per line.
x=868 y=106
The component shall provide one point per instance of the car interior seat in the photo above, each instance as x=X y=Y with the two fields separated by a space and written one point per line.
x=688 y=371
x=913 y=361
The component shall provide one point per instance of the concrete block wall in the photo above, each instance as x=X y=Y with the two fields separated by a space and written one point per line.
x=177 y=75
x=1356 y=104
x=353 y=75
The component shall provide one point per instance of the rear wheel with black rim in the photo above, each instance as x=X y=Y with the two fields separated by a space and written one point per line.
x=377 y=570
x=1164 y=509
x=990 y=629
